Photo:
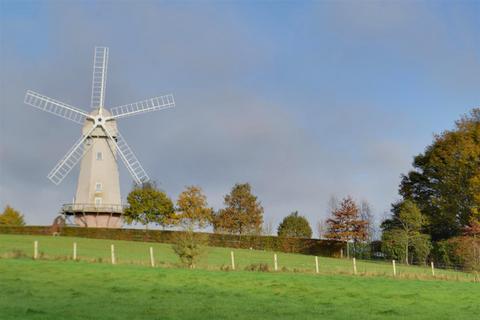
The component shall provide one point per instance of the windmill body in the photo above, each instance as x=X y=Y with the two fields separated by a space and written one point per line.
x=98 y=200
x=98 y=180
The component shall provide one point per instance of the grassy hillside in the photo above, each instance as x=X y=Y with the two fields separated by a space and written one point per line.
x=95 y=250
x=79 y=290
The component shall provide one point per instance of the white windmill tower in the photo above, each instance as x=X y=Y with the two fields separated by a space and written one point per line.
x=97 y=201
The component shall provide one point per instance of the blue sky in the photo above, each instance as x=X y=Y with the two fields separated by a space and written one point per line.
x=303 y=99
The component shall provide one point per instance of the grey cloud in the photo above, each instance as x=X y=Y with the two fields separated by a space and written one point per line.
x=221 y=132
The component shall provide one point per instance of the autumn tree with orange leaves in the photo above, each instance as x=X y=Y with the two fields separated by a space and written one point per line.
x=346 y=224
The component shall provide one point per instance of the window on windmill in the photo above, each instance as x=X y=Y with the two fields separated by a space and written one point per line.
x=98 y=201
x=99 y=156
x=98 y=186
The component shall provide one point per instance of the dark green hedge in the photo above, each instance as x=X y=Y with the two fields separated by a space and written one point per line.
x=329 y=248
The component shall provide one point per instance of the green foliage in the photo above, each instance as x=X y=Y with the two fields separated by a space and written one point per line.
x=394 y=244
x=190 y=247
x=463 y=251
x=421 y=246
x=192 y=208
x=11 y=217
x=295 y=226
x=402 y=238
x=147 y=205
x=445 y=181
x=243 y=213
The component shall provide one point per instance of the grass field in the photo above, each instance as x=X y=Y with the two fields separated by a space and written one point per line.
x=79 y=290
x=128 y=252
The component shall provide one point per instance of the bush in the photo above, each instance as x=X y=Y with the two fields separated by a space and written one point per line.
x=262 y=267
x=189 y=247
x=463 y=252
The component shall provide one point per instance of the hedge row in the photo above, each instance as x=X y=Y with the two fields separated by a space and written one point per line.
x=328 y=248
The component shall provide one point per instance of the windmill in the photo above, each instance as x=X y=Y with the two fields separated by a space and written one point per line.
x=97 y=201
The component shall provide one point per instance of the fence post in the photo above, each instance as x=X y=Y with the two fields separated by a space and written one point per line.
x=354 y=266
x=232 y=257
x=341 y=253
x=433 y=269
x=394 y=268
x=74 y=251
x=35 y=250
x=275 y=264
x=152 y=260
x=112 y=247
x=316 y=264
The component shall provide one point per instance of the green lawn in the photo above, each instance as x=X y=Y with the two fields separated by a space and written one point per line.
x=129 y=252
x=47 y=289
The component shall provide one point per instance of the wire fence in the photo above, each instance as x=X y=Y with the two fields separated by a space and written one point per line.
x=214 y=258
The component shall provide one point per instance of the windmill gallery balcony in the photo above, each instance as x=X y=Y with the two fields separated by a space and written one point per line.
x=95 y=215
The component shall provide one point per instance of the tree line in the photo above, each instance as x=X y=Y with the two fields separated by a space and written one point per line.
x=437 y=217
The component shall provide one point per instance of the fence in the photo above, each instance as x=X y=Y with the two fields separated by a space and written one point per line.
x=330 y=248
x=161 y=255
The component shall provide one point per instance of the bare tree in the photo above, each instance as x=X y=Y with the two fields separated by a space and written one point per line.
x=333 y=205
x=322 y=228
x=267 y=229
x=366 y=214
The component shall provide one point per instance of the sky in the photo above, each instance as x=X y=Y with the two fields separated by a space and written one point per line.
x=304 y=100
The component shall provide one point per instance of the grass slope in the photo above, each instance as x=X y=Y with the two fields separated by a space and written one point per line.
x=129 y=252
x=79 y=290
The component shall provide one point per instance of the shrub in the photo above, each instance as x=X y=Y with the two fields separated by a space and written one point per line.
x=189 y=247
x=263 y=267
x=463 y=252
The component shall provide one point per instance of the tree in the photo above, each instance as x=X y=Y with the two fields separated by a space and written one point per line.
x=267 y=229
x=295 y=226
x=189 y=246
x=445 y=180
x=346 y=224
x=243 y=213
x=404 y=229
x=148 y=204
x=367 y=216
x=322 y=228
x=11 y=217
x=193 y=211
x=192 y=208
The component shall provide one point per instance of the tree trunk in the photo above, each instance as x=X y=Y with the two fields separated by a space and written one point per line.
x=406 y=253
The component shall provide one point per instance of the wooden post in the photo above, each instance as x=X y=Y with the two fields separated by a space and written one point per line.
x=275 y=264
x=348 y=251
x=152 y=260
x=35 y=249
x=112 y=247
x=232 y=257
x=433 y=269
x=341 y=253
x=74 y=251
x=316 y=264
x=394 y=268
x=354 y=266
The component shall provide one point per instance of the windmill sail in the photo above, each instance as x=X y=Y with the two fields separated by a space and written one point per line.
x=100 y=63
